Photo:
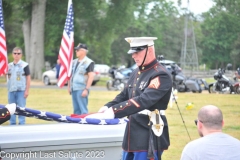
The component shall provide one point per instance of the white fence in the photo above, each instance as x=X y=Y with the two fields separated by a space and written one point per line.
x=205 y=74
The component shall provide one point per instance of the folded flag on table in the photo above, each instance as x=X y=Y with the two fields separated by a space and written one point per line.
x=48 y=116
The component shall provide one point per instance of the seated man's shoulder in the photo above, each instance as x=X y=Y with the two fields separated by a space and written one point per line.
x=195 y=143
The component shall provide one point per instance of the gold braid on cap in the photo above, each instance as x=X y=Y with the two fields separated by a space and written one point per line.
x=129 y=40
x=78 y=44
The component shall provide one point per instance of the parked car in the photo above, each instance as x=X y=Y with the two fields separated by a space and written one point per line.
x=49 y=77
x=102 y=68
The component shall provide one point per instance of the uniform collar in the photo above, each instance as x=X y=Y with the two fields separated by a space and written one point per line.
x=148 y=66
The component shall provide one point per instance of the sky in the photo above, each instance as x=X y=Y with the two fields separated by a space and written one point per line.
x=196 y=6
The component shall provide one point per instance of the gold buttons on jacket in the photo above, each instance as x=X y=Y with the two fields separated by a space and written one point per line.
x=115 y=109
x=120 y=106
x=143 y=68
x=137 y=79
x=139 y=72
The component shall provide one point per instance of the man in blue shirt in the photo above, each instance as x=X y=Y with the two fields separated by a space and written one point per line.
x=58 y=65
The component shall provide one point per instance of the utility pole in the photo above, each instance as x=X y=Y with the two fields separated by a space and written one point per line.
x=189 y=58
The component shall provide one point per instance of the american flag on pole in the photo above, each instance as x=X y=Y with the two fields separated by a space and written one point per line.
x=3 y=48
x=66 y=48
x=81 y=119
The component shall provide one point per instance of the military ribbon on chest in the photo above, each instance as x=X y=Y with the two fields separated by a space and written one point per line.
x=142 y=85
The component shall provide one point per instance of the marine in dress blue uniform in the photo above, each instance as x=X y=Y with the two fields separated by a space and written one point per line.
x=149 y=87
x=6 y=112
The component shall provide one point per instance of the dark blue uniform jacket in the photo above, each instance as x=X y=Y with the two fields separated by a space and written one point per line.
x=149 y=87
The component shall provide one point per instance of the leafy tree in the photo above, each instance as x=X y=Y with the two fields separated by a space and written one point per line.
x=32 y=33
x=155 y=19
x=102 y=25
x=220 y=30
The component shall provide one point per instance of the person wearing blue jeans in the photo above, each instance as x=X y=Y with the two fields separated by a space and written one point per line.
x=81 y=79
x=18 y=83
x=58 y=66
x=16 y=97
x=79 y=103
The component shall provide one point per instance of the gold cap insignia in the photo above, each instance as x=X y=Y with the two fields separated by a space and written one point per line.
x=129 y=40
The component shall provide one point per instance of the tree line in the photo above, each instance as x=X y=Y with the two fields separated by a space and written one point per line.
x=37 y=27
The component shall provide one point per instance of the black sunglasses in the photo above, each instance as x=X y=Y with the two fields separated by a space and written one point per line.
x=17 y=53
x=196 y=120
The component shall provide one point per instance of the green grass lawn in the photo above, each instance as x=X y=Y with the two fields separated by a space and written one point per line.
x=59 y=101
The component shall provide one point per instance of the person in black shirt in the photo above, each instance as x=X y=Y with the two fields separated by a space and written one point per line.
x=18 y=83
x=81 y=79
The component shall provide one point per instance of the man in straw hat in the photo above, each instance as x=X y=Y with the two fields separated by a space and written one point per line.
x=143 y=100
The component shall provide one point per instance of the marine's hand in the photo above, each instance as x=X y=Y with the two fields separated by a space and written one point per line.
x=102 y=109
x=107 y=114
x=11 y=108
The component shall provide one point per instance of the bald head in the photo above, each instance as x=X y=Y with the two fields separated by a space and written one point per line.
x=211 y=117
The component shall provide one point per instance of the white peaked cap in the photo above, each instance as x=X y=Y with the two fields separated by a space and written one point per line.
x=139 y=43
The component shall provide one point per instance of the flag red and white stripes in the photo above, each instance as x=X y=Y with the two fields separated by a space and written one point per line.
x=3 y=48
x=66 y=48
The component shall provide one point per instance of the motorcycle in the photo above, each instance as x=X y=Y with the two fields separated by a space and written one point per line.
x=183 y=84
x=222 y=84
x=180 y=82
x=119 y=77
x=178 y=79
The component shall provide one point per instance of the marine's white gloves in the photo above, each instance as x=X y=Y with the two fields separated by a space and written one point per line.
x=145 y=111
x=102 y=109
x=107 y=114
x=11 y=108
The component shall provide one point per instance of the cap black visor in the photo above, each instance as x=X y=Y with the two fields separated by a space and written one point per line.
x=136 y=49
